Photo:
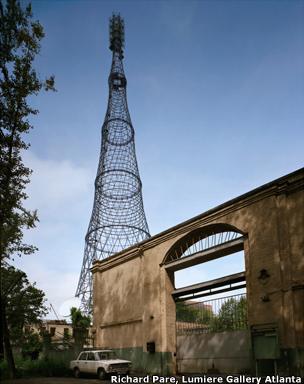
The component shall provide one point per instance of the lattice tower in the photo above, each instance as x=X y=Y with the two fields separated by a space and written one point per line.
x=118 y=218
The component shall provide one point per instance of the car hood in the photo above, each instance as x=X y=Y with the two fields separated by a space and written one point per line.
x=115 y=361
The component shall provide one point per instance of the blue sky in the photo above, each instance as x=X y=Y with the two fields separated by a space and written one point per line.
x=215 y=93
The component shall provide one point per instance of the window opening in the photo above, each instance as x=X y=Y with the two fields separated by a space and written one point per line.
x=208 y=270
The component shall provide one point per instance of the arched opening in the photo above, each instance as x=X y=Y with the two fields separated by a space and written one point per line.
x=207 y=268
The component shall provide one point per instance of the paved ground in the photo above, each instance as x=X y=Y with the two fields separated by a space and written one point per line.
x=55 y=380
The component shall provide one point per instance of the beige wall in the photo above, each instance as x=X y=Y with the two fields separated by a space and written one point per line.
x=197 y=353
x=119 y=324
x=132 y=291
x=59 y=330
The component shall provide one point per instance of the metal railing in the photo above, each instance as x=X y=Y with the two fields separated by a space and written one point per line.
x=217 y=315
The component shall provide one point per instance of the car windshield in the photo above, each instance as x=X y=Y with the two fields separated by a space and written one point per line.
x=107 y=355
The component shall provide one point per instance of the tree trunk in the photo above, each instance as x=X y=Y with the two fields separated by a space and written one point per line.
x=1 y=316
x=1 y=336
x=7 y=344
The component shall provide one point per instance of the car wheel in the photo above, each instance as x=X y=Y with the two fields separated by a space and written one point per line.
x=76 y=373
x=101 y=374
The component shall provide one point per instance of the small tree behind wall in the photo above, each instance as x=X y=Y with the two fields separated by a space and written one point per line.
x=80 y=324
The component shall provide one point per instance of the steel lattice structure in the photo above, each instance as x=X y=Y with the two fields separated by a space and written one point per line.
x=118 y=218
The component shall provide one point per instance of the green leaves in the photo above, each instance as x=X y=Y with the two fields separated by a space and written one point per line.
x=80 y=325
x=24 y=303
x=193 y=313
x=19 y=44
x=78 y=319
x=232 y=315
x=49 y=84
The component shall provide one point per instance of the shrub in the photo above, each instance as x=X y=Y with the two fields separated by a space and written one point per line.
x=43 y=367
x=3 y=370
x=37 y=368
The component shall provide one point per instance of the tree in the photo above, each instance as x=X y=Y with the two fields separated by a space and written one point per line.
x=232 y=315
x=193 y=313
x=20 y=38
x=22 y=305
x=25 y=303
x=19 y=44
x=31 y=345
x=81 y=324
x=66 y=340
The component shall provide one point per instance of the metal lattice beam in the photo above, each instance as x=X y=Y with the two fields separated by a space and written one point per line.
x=199 y=242
x=206 y=255
x=118 y=218
x=226 y=283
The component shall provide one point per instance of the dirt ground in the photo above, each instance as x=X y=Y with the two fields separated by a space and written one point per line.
x=55 y=380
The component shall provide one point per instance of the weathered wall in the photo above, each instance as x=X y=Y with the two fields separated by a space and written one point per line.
x=132 y=291
x=225 y=352
x=131 y=303
x=118 y=303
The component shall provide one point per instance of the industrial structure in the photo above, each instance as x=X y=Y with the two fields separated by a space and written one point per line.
x=118 y=218
x=136 y=301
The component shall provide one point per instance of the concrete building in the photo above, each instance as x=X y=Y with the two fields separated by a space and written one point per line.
x=56 y=328
x=60 y=332
x=135 y=296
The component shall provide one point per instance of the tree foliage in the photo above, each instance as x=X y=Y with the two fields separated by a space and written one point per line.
x=24 y=303
x=193 y=313
x=232 y=315
x=31 y=345
x=20 y=38
x=21 y=304
x=78 y=319
x=81 y=324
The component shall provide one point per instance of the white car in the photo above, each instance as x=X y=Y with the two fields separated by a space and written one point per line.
x=100 y=362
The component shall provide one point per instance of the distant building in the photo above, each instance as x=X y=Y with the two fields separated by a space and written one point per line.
x=58 y=329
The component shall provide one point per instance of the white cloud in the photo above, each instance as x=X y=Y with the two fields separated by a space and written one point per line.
x=63 y=194
x=58 y=286
x=57 y=183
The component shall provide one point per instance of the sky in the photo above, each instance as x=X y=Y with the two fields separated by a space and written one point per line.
x=215 y=92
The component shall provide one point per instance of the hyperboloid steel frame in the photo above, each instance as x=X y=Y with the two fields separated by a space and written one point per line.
x=118 y=218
